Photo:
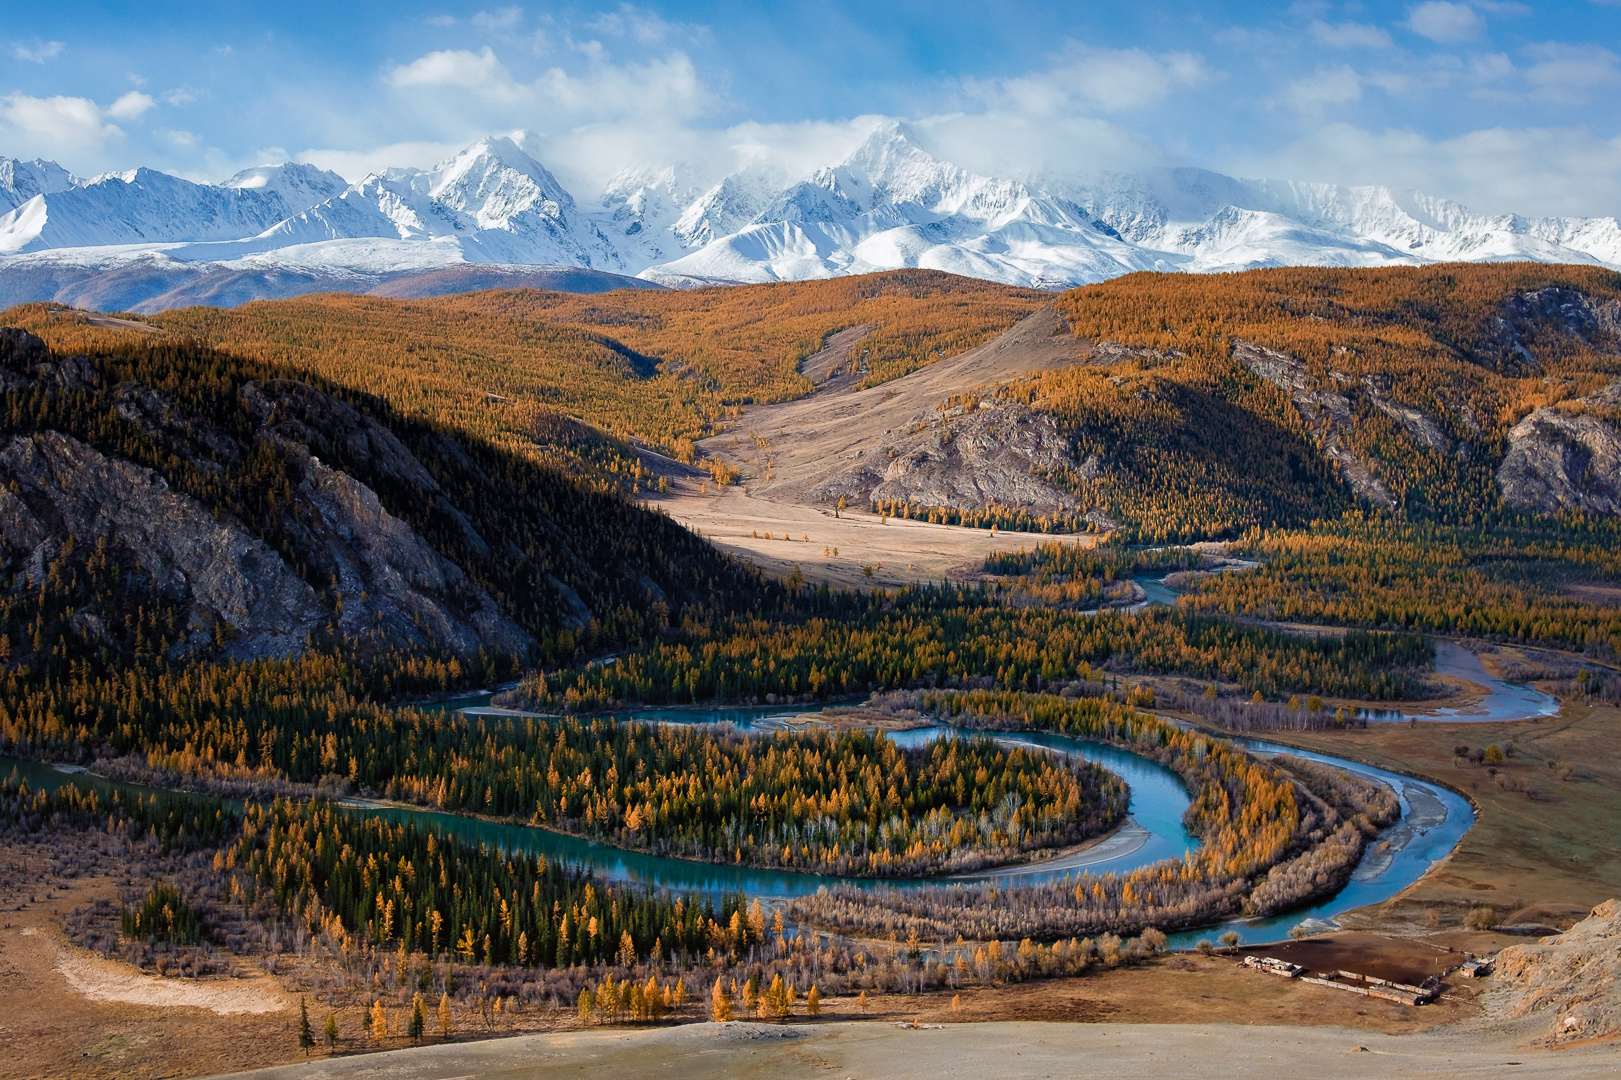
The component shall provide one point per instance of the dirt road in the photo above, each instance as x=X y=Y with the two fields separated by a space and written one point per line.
x=1016 y=1051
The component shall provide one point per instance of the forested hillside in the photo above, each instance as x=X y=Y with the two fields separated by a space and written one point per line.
x=664 y=367
x=1208 y=404
x=167 y=501
x=1272 y=397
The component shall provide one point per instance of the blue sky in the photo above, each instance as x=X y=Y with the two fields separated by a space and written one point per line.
x=1504 y=105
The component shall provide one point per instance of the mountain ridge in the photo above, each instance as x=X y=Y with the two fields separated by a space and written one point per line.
x=278 y=230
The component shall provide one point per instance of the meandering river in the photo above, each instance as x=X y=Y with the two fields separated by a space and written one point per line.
x=1433 y=821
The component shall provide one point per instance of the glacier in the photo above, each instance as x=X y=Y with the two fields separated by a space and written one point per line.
x=143 y=240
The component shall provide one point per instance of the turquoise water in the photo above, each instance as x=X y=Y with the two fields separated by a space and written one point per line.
x=1433 y=821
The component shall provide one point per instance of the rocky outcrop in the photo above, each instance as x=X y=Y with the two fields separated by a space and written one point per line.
x=1418 y=426
x=1563 y=459
x=366 y=573
x=1326 y=413
x=1558 y=308
x=992 y=452
x=53 y=486
x=1571 y=981
x=391 y=581
x=334 y=431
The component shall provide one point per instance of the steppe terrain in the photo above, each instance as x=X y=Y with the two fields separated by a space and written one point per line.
x=796 y=458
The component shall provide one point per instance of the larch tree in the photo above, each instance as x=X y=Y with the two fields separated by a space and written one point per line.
x=720 y=1003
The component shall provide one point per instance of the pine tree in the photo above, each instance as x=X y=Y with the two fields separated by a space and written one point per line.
x=305 y=1038
x=446 y=1026
x=379 y=1021
x=331 y=1031
x=813 y=1002
x=720 y=1003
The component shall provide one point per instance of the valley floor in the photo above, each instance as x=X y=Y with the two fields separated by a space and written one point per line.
x=898 y=551
x=1538 y=859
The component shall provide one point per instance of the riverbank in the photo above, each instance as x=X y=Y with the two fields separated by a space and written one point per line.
x=1543 y=850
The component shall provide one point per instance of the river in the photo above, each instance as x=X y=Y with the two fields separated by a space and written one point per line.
x=1433 y=821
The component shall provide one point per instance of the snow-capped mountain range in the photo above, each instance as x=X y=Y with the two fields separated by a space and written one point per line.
x=144 y=240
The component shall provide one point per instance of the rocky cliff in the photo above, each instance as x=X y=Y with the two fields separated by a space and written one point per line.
x=1567 y=457
x=334 y=561
x=1571 y=982
x=987 y=453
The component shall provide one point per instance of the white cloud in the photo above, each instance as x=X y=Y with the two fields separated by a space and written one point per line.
x=640 y=24
x=500 y=19
x=39 y=52
x=1533 y=171
x=1323 y=88
x=1350 y=35
x=1094 y=80
x=1445 y=22
x=1568 y=73
x=490 y=96
x=55 y=124
x=130 y=106
x=479 y=71
x=353 y=165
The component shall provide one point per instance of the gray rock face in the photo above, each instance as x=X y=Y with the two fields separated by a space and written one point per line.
x=25 y=361
x=370 y=575
x=1419 y=427
x=391 y=580
x=222 y=572
x=1557 y=306
x=997 y=453
x=1325 y=412
x=334 y=431
x=1564 y=460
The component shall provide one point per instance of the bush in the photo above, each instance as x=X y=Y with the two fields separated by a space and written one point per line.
x=1480 y=918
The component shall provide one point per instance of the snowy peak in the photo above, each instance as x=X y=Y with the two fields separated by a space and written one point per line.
x=493 y=181
x=22 y=180
x=888 y=203
x=140 y=206
x=298 y=186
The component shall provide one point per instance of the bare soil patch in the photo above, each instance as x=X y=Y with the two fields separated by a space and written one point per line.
x=780 y=536
x=1392 y=959
x=1595 y=593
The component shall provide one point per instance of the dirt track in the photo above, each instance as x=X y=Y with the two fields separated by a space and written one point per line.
x=979 y=1051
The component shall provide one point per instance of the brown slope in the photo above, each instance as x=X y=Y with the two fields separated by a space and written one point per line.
x=811 y=443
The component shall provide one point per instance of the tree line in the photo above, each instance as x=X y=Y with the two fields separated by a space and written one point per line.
x=933 y=636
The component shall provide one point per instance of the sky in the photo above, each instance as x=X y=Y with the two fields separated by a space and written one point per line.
x=1504 y=106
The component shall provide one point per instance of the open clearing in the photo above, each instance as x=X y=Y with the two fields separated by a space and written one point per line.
x=64 y=1011
x=803 y=443
x=899 y=551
